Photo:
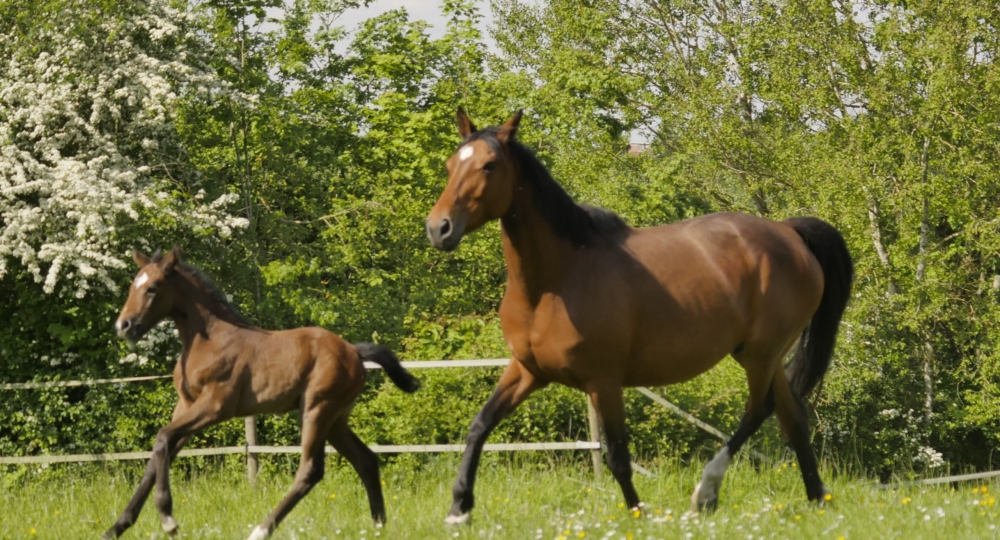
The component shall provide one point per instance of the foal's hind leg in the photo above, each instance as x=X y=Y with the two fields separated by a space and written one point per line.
x=364 y=461
x=610 y=407
x=315 y=426
x=795 y=425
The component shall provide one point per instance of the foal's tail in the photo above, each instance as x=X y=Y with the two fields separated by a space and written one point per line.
x=370 y=352
x=812 y=358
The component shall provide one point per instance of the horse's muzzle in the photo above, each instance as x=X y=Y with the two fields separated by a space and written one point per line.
x=444 y=233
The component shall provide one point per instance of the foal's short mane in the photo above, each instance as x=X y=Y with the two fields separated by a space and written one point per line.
x=233 y=315
x=578 y=223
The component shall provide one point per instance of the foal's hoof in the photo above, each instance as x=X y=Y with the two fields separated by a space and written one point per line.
x=169 y=525
x=704 y=499
x=460 y=519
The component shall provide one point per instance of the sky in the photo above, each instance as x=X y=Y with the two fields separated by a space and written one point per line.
x=426 y=10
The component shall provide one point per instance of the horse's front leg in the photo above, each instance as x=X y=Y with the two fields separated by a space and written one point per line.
x=130 y=515
x=610 y=406
x=515 y=386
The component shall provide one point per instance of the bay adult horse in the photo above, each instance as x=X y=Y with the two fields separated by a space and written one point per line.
x=594 y=304
x=229 y=368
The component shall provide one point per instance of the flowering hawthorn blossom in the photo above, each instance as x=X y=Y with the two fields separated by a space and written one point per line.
x=86 y=136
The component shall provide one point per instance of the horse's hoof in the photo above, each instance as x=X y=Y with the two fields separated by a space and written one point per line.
x=702 y=500
x=460 y=519
x=258 y=534
x=169 y=525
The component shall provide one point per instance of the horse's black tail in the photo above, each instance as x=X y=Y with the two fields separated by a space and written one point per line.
x=812 y=359
x=384 y=357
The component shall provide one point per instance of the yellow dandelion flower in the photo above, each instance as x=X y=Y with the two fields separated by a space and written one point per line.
x=621 y=505
x=636 y=513
x=394 y=497
x=562 y=538
x=333 y=495
x=506 y=499
x=797 y=517
x=736 y=507
x=657 y=511
x=975 y=489
x=628 y=536
x=669 y=517
x=840 y=538
x=32 y=531
x=795 y=464
x=612 y=518
x=581 y=534
x=566 y=532
x=779 y=506
x=821 y=512
x=906 y=500
x=588 y=490
x=828 y=497
x=984 y=489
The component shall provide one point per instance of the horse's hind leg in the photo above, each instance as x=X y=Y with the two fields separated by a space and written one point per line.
x=610 y=407
x=515 y=386
x=315 y=426
x=760 y=406
x=364 y=461
x=795 y=425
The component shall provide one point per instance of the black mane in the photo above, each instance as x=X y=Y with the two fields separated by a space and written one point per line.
x=578 y=223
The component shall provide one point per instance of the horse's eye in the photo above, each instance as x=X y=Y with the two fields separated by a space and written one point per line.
x=151 y=290
x=489 y=166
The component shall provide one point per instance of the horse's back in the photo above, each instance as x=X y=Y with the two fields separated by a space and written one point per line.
x=702 y=288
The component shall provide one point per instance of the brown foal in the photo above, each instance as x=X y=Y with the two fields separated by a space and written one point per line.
x=594 y=304
x=229 y=368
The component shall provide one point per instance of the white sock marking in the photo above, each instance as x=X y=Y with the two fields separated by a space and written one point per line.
x=711 y=480
x=456 y=520
x=258 y=534
x=466 y=152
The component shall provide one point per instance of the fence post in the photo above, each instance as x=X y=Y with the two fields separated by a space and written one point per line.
x=251 y=431
x=595 y=436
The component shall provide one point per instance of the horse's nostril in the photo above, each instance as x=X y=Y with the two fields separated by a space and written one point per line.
x=445 y=228
x=124 y=325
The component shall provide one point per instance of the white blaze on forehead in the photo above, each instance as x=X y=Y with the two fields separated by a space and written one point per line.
x=143 y=278
x=466 y=152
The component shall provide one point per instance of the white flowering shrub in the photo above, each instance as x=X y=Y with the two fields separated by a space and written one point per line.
x=87 y=142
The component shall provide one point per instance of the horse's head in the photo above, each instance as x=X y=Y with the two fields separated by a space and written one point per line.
x=481 y=181
x=150 y=298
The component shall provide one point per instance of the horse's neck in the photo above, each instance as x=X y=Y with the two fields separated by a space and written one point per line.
x=537 y=258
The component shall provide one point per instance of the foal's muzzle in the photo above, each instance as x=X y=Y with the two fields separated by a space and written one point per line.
x=444 y=233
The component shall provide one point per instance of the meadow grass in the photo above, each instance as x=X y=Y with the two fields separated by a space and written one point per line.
x=531 y=498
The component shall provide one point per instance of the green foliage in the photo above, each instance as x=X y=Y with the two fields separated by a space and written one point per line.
x=881 y=118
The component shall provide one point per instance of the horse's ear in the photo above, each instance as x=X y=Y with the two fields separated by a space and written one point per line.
x=139 y=258
x=465 y=126
x=509 y=128
x=170 y=260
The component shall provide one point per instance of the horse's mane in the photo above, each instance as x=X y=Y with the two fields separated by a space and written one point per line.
x=578 y=223
x=227 y=308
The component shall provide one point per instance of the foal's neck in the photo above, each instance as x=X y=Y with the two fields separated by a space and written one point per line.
x=537 y=257
x=195 y=312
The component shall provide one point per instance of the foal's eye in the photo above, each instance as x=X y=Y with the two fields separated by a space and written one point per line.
x=489 y=166
x=151 y=290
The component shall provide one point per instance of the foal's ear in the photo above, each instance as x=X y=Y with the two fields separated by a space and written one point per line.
x=139 y=258
x=171 y=259
x=465 y=126
x=509 y=128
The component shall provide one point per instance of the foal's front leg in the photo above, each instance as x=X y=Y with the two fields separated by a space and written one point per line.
x=129 y=516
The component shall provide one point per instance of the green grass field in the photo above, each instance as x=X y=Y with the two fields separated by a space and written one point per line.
x=533 y=500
